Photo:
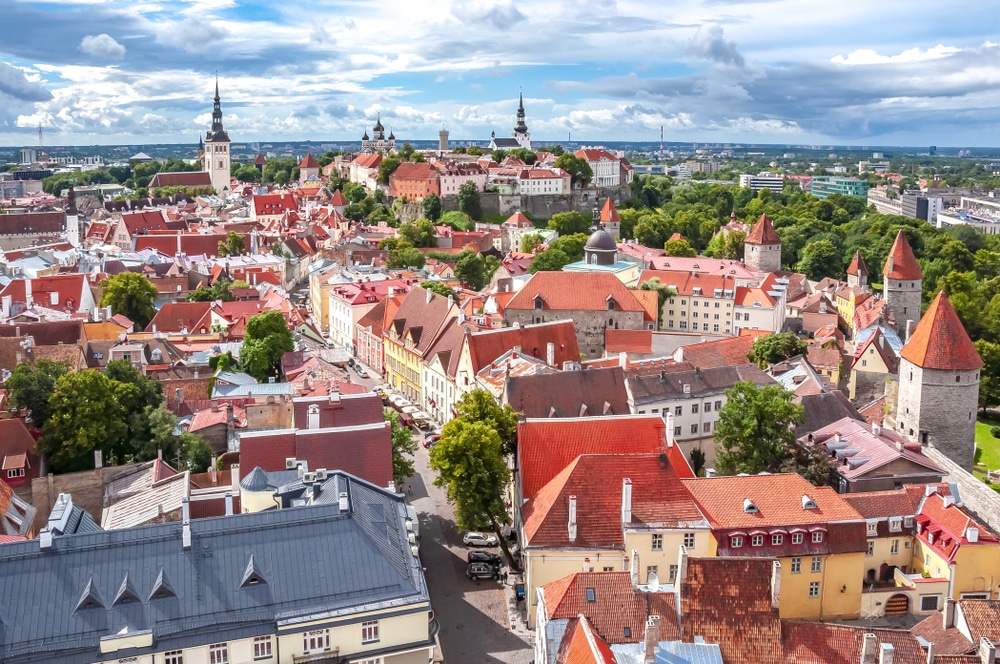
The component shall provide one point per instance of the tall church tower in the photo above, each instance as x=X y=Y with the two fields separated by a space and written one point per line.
x=72 y=218
x=762 y=248
x=521 y=134
x=217 y=154
x=939 y=384
x=903 y=279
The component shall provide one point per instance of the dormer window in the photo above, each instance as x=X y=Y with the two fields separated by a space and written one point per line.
x=872 y=528
x=749 y=507
x=808 y=503
x=895 y=525
x=538 y=302
x=737 y=542
x=817 y=536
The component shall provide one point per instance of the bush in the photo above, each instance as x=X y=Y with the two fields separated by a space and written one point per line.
x=995 y=432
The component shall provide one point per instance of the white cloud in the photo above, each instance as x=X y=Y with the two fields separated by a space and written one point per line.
x=194 y=35
x=102 y=46
x=867 y=56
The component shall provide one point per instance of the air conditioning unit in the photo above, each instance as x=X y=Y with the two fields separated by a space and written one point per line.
x=308 y=478
x=321 y=474
x=291 y=463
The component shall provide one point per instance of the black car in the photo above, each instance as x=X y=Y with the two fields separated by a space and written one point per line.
x=482 y=571
x=484 y=557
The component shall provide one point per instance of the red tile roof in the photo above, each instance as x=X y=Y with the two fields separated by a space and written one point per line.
x=728 y=601
x=309 y=161
x=947 y=641
x=685 y=282
x=273 y=204
x=144 y=222
x=617 y=605
x=721 y=353
x=338 y=199
x=884 y=504
x=547 y=446
x=763 y=232
x=488 y=345
x=369 y=160
x=181 y=179
x=949 y=524
x=857 y=266
x=518 y=220
x=595 y=154
x=608 y=212
x=824 y=643
x=901 y=263
x=778 y=499
x=580 y=645
x=23 y=223
x=940 y=340
x=175 y=316
x=575 y=291
x=628 y=341
x=983 y=618
x=596 y=481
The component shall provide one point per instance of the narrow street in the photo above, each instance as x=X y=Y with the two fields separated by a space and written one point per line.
x=472 y=614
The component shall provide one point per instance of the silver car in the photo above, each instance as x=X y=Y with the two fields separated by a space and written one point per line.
x=480 y=539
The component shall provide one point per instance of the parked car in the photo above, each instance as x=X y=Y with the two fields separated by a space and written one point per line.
x=480 y=539
x=484 y=557
x=431 y=440
x=482 y=571
x=360 y=370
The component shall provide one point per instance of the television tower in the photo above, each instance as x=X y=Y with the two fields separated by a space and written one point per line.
x=39 y=137
x=661 y=142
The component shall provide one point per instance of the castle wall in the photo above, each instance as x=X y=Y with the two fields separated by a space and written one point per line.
x=938 y=408
x=766 y=257
x=902 y=298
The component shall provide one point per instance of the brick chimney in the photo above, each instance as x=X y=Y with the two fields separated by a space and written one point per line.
x=572 y=518
x=651 y=639
x=626 y=501
x=869 y=649
x=987 y=651
x=949 y=613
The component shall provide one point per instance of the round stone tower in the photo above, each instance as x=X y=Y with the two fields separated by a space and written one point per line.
x=902 y=282
x=762 y=248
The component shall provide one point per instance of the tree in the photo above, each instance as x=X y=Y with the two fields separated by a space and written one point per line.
x=387 y=168
x=469 y=267
x=468 y=200
x=438 y=288
x=756 y=429
x=551 y=260
x=31 y=384
x=578 y=168
x=405 y=255
x=84 y=416
x=419 y=233
x=697 y=458
x=137 y=395
x=480 y=406
x=188 y=450
x=403 y=447
x=571 y=245
x=470 y=466
x=266 y=338
x=248 y=174
x=131 y=295
x=432 y=207
x=234 y=245
x=774 y=348
x=663 y=292
x=821 y=259
x=679 y=248
x=569 y=223
x=457 y=220
x=220 y=290
x=529 y=242
x=989 y=383
x=727 y=245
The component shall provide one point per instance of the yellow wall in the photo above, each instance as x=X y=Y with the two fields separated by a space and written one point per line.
x=256 y=501
x=545 y=566
x=977 y=569
x=403 y=368
x=836 y=571
x=642 y=543
x=883 y=553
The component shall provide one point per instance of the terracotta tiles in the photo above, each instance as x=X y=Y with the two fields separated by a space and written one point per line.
x=983 y=618
x=575 y=291
x=763 y=232
x=940 y=340
x=580 y=645
x=901 y=263
x=822 y=643
x=947 y=641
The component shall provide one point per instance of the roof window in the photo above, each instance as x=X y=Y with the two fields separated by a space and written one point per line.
x=749 y=507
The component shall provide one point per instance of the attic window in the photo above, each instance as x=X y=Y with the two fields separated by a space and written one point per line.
x=628 y=632
x=252 y=575
x=749 y=507
x=538 y=302
x=89 y=599
x=808 y=503
x=161 y=587
x=590 y=595
x=126 y=593
x=895 y=525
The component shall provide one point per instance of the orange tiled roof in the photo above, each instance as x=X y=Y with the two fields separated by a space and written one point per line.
x=628 y=341
x=883 y=504
x=857 y=266
x=949 y=524
x=580 y=645
x=608 y=212
x=309 y=161
x=575 y=291
x=763 y=232
x=823 y=643
x=722 y=353
x=901 y=263
x=940 y=340
x=778 y=499
x=983 y=618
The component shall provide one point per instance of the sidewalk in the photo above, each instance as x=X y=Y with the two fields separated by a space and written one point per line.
x=515 y=613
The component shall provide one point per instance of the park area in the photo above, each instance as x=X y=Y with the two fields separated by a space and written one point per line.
x=987 y=447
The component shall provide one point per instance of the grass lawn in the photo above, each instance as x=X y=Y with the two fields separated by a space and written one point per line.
x=989 y=445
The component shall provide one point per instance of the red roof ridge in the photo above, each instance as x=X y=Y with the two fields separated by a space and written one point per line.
x=901 y=263
x=763 y=232
x=940 y=340
x=857 y=266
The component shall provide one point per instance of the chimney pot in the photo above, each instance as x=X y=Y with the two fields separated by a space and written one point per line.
x=869 y=648
x=345 y=502
x=626 y=501
x=949 y=613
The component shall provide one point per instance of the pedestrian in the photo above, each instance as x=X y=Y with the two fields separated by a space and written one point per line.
x=409 y=489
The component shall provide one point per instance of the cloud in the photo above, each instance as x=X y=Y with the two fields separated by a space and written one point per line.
x=102 y=46
x=500 y=15
x=192 y=35
x=14 y=83
x=867 y=56
x=711 y=43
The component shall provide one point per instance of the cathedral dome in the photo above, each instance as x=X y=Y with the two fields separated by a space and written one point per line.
x=601 y=240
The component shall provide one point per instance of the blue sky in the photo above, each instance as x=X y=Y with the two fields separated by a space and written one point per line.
x=775 y=71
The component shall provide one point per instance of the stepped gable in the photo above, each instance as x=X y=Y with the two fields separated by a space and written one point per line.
x=763 y=232
x=857 y=266
x=940 y=341
x=901 y=263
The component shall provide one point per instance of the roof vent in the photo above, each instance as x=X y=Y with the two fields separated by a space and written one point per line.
x=808 y=503
x=749 y=507
x=126 y=592
x=161 y=587
x=89 y=599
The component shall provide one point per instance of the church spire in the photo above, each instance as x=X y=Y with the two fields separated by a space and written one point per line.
x=520 y=127
x=218 y=133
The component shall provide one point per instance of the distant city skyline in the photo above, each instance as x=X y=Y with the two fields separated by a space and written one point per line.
x=773 y=71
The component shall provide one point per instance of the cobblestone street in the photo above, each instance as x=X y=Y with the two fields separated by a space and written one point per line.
x=473 y=614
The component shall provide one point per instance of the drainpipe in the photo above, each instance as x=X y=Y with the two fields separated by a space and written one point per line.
x=951 y=580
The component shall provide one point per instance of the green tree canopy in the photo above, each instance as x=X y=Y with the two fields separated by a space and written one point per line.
x=31 y=384
x=550 y=260
x=774 y=348
x=432 y=207
x=470 y=466
x=85 y=416
x=756 y=429
x=457 y=220
x=388 y=167
x=266 y=338
x=234 y=245
x=480 y=406
x=571 y=245
x=419 y=233
x=679 y=248
x=728 y=245
x=131 y=295
x=470 y=268
x=578 y=168
x=663 y=292
x=188 y=450
x=989 y=383
x=405 y=255
x=438 y=288
x=821 y=259
x=468 y=200
x=529 y=241
x=403 y=447
x=569 y=223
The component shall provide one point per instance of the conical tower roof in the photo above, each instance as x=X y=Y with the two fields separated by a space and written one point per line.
x=901 y=263
x=763 y=232
x=857 y=266
x=940 y=340
x=608 y=212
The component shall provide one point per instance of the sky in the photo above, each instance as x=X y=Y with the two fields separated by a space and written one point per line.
x=798 y=72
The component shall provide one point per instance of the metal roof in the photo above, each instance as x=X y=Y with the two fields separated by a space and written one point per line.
x=315 y=563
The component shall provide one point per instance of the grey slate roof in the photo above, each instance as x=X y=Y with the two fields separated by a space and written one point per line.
x=652 y=387
x=314 y=563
